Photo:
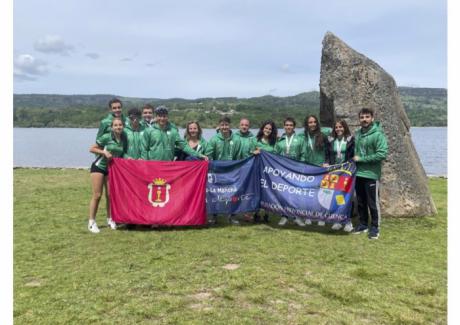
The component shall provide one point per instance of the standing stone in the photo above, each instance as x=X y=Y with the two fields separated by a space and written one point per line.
x=350 y=81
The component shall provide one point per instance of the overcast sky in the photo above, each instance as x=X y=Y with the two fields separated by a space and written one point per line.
x=214 y=48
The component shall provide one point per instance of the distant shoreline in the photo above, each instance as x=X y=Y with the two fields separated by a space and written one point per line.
x=87 y=168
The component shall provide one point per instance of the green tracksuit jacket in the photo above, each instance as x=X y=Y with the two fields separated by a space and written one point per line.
x=311 y=154
x=220 y=148
x=262 y=145
x=105 y=124
x=134 y=141
x=295 y=149
x=109 y=143
x=246 y=143
x=159 y=144
x=372 y=148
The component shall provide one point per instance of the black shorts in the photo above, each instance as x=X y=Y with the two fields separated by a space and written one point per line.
x=95 y=169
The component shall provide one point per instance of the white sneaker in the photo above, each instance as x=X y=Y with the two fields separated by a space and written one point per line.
x=111 y=223
x=348 y=227
x=308 y=221
x=283 y=221
x=336 y=226
x=299 y=222
x=321 y=223
x=92 y=226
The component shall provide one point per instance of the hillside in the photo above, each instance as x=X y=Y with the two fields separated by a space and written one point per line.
x=424 y=106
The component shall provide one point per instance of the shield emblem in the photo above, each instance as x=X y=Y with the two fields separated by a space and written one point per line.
x=325 y=197
x=159 y=192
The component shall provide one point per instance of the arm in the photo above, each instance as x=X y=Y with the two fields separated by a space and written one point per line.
x=145 y=145
x=182 y=145
x=350 y=149
x=380 y=152
x=209 y=152
x=99 y=149
x=102 y=129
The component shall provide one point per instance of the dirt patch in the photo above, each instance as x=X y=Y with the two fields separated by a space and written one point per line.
x=201 y=296
x=33 y=283
x=231 y=267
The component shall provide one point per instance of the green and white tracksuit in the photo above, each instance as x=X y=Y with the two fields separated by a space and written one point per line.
x=246 y=143
x=290 y=146
x=160 y=144
x=220 y=148
x=109 y=143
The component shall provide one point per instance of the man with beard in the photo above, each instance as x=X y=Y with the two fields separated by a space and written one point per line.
x=370 y=150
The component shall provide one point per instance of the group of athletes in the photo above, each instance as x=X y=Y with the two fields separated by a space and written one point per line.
x=149 y=135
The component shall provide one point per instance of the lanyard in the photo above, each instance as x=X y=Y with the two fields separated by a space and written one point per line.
x=310 y=143
x=339 y=147
x=288 y=143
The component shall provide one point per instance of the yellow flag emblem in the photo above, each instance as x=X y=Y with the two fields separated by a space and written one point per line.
x=340 y=199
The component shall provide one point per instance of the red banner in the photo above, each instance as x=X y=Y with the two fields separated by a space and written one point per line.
x=158 y=192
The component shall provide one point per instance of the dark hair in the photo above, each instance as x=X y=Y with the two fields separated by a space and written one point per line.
x=113 y=101
x=224 y=119
x=134 y=111
x=273 y=135
x=316 y=133
x=346 y=129
x=148 y=106
x=187 y=134
x=289 y=119
x=366 y=110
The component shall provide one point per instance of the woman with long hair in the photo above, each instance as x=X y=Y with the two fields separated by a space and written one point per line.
x=315 y=147
x=340 y=149
x=107 y=146
x=265 y=140
x=194 y=140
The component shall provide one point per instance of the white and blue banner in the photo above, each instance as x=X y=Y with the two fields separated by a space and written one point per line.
x=281 y=185
x=293 y=188
x=233 y=186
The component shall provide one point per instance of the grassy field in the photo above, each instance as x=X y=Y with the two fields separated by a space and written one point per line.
x=252 y=274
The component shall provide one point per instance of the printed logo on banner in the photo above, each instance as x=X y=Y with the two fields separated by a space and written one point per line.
x=212 y=178
x=159 y=192
x=331 y=183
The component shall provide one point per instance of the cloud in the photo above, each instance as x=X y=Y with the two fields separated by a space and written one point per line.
x=151 y=65
x=27 y=68
x=286 y=68
x=126 y=60
x=92 y=55
x=53 y=45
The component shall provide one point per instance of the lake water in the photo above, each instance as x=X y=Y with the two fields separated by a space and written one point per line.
x=69 y=147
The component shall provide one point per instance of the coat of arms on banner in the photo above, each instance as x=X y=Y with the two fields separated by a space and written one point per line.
x=330 y=184
x=159 y=192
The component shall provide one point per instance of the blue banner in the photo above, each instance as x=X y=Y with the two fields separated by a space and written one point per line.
x=233 y=186
x=292 y=188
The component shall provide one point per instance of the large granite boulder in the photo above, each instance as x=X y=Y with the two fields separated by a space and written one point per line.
x=350 y=81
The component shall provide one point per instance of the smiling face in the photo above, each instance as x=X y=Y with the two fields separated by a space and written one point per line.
x=147 y=114
x=339 y=129
x=162 y=120
x=312 y=124
x=116 y=109
x=267 y=131
x=288 y=127
x=244 y=126
x=224 y=128
x=117 y=126
x=365 y=119
x=193 y=130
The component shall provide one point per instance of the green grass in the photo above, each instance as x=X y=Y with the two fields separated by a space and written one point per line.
x=64 y=274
